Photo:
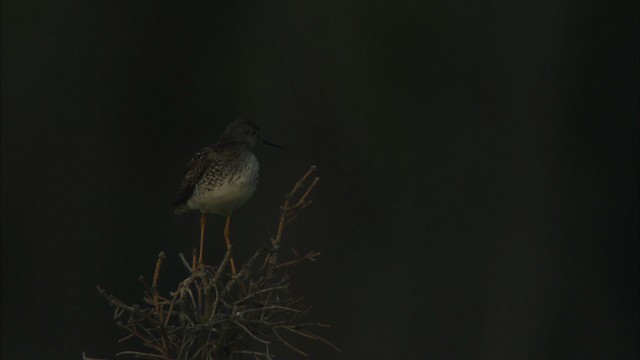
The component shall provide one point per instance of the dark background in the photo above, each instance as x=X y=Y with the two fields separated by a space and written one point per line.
x=479 y=164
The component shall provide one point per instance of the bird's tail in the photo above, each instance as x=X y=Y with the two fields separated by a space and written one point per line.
x=180 y=208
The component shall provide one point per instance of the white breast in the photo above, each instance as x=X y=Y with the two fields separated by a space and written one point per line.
x=229 y=193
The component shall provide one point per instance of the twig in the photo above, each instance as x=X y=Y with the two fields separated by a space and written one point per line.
x=158 y=307
x=310 y=336
x=256 y=293
x=251 y=334
x=254 y=353
x=303 y=199
x=185 y=262
x=311 y=256
x=140 y=354
x=288 y=213
x=84 y=357
x=288 y=344
x=300 y=183
x=205 y=318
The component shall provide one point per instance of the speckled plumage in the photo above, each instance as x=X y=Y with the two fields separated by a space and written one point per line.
x=223 y=176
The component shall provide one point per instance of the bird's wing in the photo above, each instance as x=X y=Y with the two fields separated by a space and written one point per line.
x=196 y=168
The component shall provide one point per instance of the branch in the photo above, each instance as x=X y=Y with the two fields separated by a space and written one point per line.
x=213 y=314
x=288 y=212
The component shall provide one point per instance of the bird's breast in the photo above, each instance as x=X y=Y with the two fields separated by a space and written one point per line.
x=221 y=192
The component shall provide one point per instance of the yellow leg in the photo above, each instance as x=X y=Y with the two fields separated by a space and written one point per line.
x=226 y=239
x=203 y=221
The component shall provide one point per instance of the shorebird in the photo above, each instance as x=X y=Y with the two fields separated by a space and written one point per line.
x=221 y=177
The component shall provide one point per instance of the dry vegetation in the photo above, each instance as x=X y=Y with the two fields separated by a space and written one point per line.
x=215 y=315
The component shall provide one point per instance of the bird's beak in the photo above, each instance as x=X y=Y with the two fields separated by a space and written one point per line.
x=270 y=143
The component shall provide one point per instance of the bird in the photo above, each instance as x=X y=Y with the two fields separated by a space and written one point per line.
x=222 y=177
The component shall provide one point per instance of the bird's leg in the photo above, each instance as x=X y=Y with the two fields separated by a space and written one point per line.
x=226 y=239
x=203 y=221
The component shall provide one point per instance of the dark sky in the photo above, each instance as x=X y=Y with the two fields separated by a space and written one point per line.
x=479 y=164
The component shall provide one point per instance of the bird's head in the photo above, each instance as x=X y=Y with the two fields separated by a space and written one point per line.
x=244 y=132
